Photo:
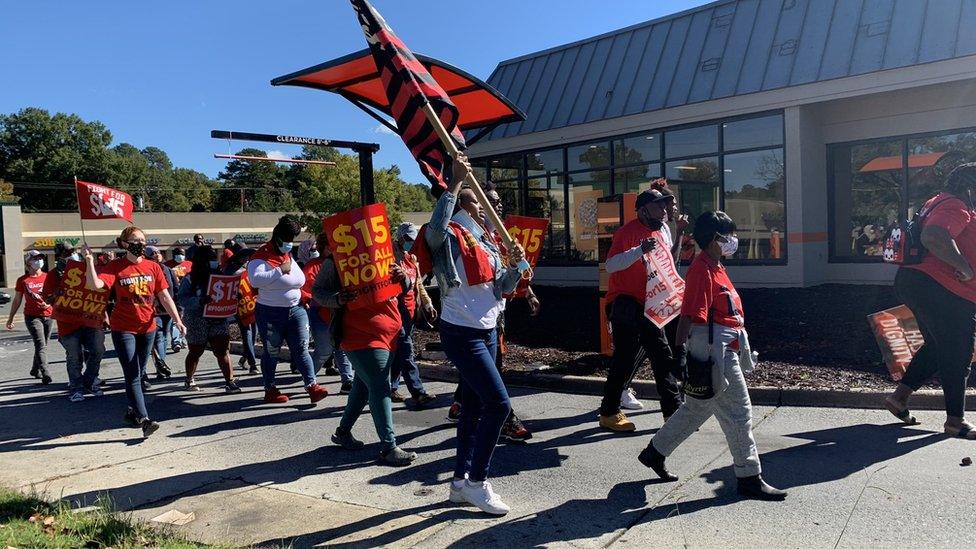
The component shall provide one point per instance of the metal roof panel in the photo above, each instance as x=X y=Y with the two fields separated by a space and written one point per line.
x=712 y=52
x=782 y=53
x=906 y=26
x=735 y=51
x=667 y=65
x=939 y=31
x=690 y=59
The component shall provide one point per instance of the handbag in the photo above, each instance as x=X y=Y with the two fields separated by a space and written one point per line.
x=698 y=373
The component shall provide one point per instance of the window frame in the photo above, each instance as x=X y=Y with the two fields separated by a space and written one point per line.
x=832 y=148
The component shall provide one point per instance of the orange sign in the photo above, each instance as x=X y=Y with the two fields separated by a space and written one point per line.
x=898 y=337
x=530 y=232
x=363 y=251
x=77 y=304
x=247 y=301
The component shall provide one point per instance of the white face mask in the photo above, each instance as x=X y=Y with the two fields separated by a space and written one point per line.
x=313 y=255
x=36 y=264
x=730 y=246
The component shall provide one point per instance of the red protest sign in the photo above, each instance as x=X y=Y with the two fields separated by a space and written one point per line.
x=76 y=304
x=530 y=232
x=247 y=301
x=665 y=287
x=363 y=252
x=898 y=337
x=100 y=202
x=223 y=290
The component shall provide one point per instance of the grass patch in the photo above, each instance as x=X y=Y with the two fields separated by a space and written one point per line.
x=30 y=521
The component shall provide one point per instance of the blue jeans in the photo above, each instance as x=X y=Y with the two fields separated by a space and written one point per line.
x=279 y=325
x=403 y=361
x=486 y=402
x=249 y=335
x=133 y=351
x=83 y=347
x=324 y=348
x=164 y=328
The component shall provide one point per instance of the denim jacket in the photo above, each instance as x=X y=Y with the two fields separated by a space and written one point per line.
x=445 y=249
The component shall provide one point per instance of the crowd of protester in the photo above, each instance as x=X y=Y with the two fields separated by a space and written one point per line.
x=698 y=360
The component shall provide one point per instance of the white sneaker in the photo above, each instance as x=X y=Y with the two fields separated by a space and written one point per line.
x=77 y=396
x=483 y=497
x=628 y=400
x=455 y=495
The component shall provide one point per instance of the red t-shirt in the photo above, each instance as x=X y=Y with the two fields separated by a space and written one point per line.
x=412 y=271
x=228 y=253
x=311 y=271
x=33 y=289
x=707 y=286
x=631 y=281
x=372 y=327
x=179 y=269
x=955 y=217
x=136 y=286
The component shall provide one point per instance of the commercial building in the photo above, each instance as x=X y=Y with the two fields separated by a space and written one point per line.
x=816 y=124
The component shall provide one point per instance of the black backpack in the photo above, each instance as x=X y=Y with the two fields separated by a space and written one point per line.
x=903 y=246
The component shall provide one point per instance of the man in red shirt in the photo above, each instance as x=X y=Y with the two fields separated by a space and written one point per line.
x=634 y=335
x=37 y=313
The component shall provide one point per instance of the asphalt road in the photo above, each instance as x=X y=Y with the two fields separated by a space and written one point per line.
x=256 y=473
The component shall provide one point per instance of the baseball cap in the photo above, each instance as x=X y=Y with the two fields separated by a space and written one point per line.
x=151 y=251
x=31 y=254
x=407 y=230
x=650 y=196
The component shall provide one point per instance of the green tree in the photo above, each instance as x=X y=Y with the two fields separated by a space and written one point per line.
x=264 y=183
x=7 y=192
x=42 y=150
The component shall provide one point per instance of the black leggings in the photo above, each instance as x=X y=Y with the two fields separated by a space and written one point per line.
x=948 y=324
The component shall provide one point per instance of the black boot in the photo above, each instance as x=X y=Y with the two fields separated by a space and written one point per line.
x=653 y=459
x=162 y=370
x=756 y=488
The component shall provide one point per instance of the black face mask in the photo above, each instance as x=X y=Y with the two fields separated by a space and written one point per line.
x=655 y=224
x=136 y=248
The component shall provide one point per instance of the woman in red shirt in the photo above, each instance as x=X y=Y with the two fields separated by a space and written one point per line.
x=941 y=293
x=712 y=325
x=368 y=335
x=137 y=282
x=37 y=313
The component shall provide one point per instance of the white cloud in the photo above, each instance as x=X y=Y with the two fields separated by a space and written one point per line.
x=279 y=155
x=383 y=129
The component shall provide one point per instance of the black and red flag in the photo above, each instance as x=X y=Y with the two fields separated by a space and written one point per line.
x=409 y=85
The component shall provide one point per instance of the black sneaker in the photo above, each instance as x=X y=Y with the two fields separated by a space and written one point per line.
x=652 y=459
x=162 y=370
x=345 y=388
x=35 y=373
x=46 y=379
x=132 y=418
x=232 y=388
x=756 y=488
x=242 y=363
x=331 y=371
x=346 y=440
x=397 y=457
x=514 y=431
x=149 y=427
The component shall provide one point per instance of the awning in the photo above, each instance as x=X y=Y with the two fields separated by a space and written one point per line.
x=888 y=163
x=355 y=77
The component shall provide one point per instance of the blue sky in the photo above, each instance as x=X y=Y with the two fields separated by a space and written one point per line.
x=166 y=73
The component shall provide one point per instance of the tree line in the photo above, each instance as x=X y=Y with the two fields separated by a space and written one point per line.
x=41 y=153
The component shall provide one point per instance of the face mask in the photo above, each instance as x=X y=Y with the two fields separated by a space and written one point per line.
x=655 y=224
x=407 y=244
x=75 y=257
x=285 y=247
x=36 y=264
x=214 y=264
x=313 y=255
x=136 y=248
x=730 y=246
x=179 y=258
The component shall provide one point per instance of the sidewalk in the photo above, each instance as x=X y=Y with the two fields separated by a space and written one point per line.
x=254 y=473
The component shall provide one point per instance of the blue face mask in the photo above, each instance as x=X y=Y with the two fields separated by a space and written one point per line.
x=179 y=258
x=407 y=244
x=285 y=247
x=214 y=264
x=313 y=255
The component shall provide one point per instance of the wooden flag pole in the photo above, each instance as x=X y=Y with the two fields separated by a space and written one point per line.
x=80 y=220
x=479 y=193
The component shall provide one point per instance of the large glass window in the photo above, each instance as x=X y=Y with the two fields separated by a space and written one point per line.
x=635 y=178
x=930 y=159
x=544 y=162
x=506 y=168
x=754 y=199
x=546 y=199
x=753 y=133
x=588 y=156
x=634 y=150
x=868 y=183
x=691 y=141
x=696 y=182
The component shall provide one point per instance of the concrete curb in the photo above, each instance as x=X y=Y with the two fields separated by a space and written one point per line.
x=926 y=399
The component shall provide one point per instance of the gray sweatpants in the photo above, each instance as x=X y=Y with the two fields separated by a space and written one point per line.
x=40 y=331
x=730 y=405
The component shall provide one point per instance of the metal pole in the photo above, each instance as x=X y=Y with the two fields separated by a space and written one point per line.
x=367 y=191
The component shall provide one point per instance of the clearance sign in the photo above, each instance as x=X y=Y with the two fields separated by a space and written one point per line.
x=363 y=252
x=530 y=232
x=76 y=304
